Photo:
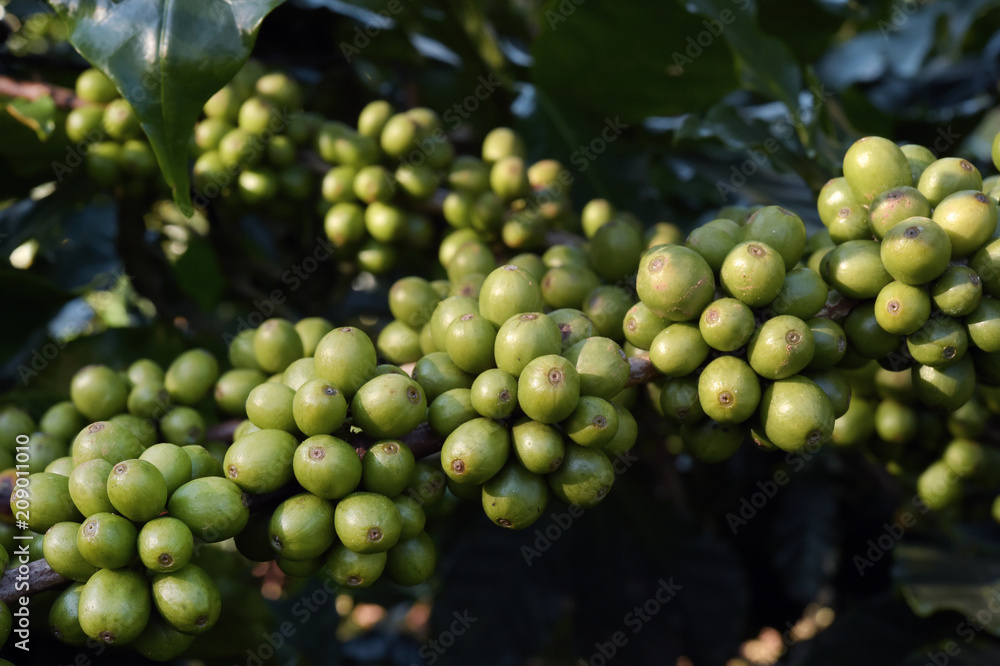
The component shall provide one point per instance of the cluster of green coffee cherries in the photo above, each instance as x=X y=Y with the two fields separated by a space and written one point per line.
x=893 y=306
x=117 y=457
x=381 y=181
x=247 y=146
x=129 y=494
x=913 y=244
x=105 y=133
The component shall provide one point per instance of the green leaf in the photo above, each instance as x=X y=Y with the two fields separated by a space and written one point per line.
x=764 y=64
x=30 y=301
x=167 y=57
x=805 y=534
x=631 y=58
x=934 y=578
x=38 y=114
x=198 y=274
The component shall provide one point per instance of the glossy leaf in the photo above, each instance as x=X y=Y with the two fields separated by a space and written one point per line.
x=38 y=114
x=198 y=274
x=936 y=579
x=167 y=57
x=629 y=58
x=764 y=64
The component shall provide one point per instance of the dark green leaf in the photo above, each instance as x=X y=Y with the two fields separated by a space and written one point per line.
x=167 y=57
x=805 y=534
x=631 y=58
x=764 y=64
x=42 y=218
x=961 y=649
x=934 y=578
x=199 y=275
x=29 y=303
x=38 y=114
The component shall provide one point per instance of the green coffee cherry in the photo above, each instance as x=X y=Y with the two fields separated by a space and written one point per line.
x=919 y=157
x=475 y=451
x=64 y=619
x=44 y=502
x=602 y=366
x=855 y=269
x=88 y=487
x=593 y=423
x=864 y=334
x=833 y=196
x=318 y=408
x=946 y=176
x=872 y=165
x=795 y=413
x=213 y=508
x=386 y=467
x=958 y=291
x=165 y=544
x=276 y=344
x=728 y=390
x=678 y=349
x=945 y=387
x=537 y=446
x=436 y=373
x=584 y=478
x=803 y=294
x=327 y=466
x=172 y=461
x=188 y=599
x=107 y=541
x=98 y=392
x=780 y=229
x=412 y=561
x=182 y=426
x=301 y=528
x=270 y=405
x=782 y=347
x=753 y=273
x=712 y=442
x=352 y=569
x=902 y=309
x=494 y=394
x=367 y=522
x=606 y=306
x=346 y=357
x=63 y=554
x=470 y=341
x=548 y=389
x=675 y=282
x=726 y=324
x=836 y=386
x=93 y=86
x=137 y=490
x=450 y=410
x=642 y=324
x=679 y=400
x=115 y=606
x=389 y=406
x=969 y=217
x=893 y=206
x=515 y=498
x=940 y=341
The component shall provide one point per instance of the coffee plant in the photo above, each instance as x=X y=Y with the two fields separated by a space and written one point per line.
x=502 y=333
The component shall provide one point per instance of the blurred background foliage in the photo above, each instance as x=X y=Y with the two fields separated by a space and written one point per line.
x=718 y=102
